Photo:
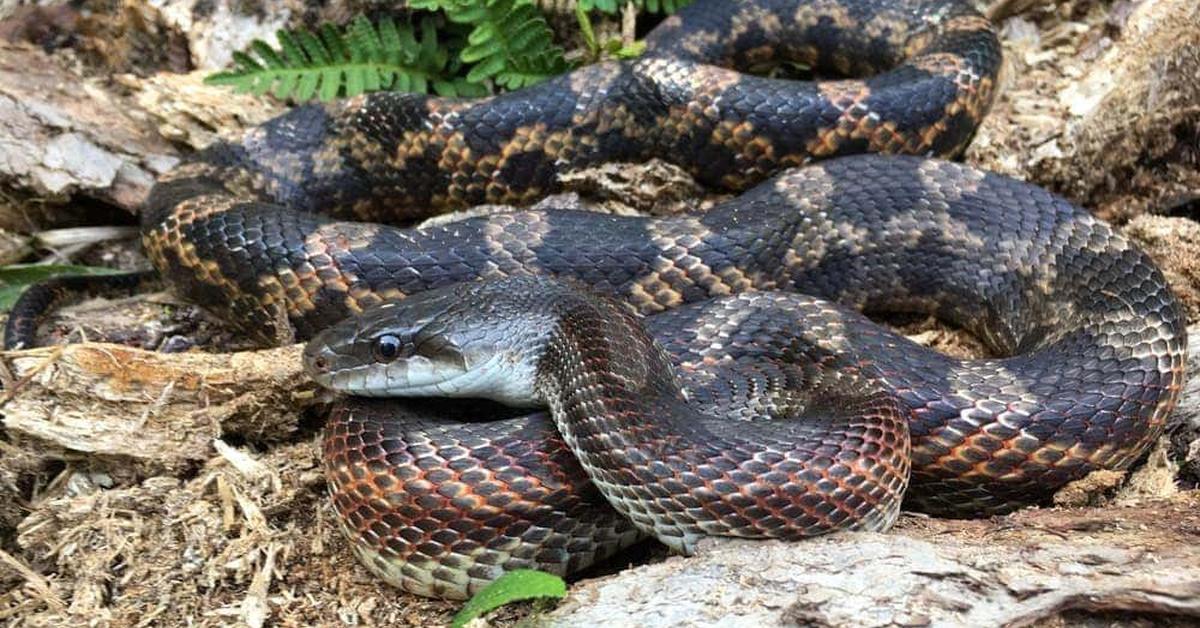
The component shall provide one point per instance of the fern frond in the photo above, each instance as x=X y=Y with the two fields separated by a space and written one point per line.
x=365 y=57
x=650 y=6
x=465 y=48
x=510 y=42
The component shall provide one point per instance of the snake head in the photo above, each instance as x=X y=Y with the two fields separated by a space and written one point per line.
x=476 y=339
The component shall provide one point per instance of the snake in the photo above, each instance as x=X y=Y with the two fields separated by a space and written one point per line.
x=752 y=310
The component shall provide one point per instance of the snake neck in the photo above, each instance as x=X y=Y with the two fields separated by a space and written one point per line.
x=598 y=367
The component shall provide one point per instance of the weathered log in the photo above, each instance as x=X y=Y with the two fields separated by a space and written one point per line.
x=1127 y=105
x=63 y=133
x=66 y=134
x=160 y=409
x=1098 y=107
x=1010 y=571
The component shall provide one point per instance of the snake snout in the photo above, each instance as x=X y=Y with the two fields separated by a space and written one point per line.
x=319 y=360
x=326 y=361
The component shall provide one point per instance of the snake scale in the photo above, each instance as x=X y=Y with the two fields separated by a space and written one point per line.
x=750 y=309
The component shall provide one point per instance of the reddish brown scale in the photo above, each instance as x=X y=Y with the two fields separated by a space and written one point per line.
x=441 y=511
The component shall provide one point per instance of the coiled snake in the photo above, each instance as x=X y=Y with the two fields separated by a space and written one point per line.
x=1094 y=341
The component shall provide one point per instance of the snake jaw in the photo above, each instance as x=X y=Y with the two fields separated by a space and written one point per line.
x=494 y=377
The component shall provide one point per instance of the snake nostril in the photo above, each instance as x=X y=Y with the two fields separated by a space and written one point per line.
x=321 y=363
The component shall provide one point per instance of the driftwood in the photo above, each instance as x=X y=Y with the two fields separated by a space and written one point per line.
x=66 y=134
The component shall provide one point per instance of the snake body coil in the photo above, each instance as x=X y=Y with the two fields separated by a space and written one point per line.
x=234 y=227
x=1093 y=341
x=819 y=447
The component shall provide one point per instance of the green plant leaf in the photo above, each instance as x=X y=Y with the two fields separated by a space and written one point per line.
x=585 y=27
x=463 y=48
x=614 y=6
x=521 y=584
x=362 y=57
x=631 y=51
x=485 y=70
x=14 y=278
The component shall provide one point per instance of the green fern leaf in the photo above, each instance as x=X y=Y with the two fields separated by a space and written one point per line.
x=652 y=6
x=481 y=72
x=333 y=41
x=331 y=79
x=391 y=44
x=363 y=40
x=292 y=53
x=267 y=54
x=306 y=86
x=509 y=42
x=466 y=49
x=361 y=58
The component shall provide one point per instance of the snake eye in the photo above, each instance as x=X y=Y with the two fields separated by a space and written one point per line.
x=387 y=348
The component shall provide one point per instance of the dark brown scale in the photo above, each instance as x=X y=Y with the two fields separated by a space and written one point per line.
x=682 y=472
x=397 y=156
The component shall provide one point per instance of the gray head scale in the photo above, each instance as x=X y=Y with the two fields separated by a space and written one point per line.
x=476 y=339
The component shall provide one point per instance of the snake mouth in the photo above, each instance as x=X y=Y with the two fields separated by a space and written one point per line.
x=419 y=376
